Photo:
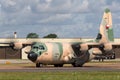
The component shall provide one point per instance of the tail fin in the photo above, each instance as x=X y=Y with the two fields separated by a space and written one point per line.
x=106 y=31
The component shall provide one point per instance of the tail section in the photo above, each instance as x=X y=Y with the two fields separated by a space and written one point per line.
x=106 y=31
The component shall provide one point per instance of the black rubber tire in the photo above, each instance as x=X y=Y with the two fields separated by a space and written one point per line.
x=58 y=65
x=38 y=65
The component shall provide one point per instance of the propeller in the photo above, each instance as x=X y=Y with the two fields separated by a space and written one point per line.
x=101 y=47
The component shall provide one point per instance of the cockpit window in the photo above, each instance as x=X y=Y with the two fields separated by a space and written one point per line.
x=35 y=47
x=41 y=47
x=38 y=48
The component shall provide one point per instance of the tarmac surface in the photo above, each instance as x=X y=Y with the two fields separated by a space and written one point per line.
x=28 y=66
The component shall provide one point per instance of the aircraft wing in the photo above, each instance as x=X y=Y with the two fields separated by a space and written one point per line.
x=115 y=45
x=89 y=45
x=4 y=44
x=93 y=44
x=15 y=45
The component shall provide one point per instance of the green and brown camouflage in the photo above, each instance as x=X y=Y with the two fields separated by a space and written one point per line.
x=106 y=29
x=55 y=53
x=107 y=10
x=75 y=53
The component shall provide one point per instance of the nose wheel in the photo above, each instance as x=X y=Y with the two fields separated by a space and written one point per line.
x=39 y=65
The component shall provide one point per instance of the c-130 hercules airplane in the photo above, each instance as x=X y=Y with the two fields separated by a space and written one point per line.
x=75 y=53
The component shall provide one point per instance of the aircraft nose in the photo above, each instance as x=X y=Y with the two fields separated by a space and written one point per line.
x=32 y=56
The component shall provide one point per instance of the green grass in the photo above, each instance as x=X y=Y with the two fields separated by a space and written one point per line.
x=60 y=75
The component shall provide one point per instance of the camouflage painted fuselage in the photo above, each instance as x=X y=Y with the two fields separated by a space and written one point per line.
x=76 y=53
x=53 y=53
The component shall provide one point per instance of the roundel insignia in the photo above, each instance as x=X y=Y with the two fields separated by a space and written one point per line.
x=107 y=26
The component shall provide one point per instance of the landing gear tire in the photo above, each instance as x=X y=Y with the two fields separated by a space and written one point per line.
x=78 y=63
x=58 y=65
x=39 y=65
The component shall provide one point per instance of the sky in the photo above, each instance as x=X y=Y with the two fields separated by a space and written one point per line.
x=66 y=18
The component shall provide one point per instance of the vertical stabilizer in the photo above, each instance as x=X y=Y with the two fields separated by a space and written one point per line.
x=106 y=30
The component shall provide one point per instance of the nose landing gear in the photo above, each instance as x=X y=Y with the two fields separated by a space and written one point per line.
x=39 y=65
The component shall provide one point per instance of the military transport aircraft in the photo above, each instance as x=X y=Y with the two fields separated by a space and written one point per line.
x=75 y=53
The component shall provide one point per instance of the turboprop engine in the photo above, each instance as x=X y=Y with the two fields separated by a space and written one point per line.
x=80 y=49
x=83 y=47
x=81 y=53
x=105 y=47
x=16 y=46
x=93 y=52
x=85 y=52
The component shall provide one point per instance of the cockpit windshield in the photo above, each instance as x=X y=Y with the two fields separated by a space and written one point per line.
x=35 y=48
x=38 y=47
x=41 y=47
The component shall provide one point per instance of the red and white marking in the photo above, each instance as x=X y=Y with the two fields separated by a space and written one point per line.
x=107 y=26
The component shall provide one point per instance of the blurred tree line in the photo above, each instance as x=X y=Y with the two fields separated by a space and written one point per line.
x=35 y=35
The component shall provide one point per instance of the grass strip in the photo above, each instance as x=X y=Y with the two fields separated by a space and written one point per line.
x=83 y=75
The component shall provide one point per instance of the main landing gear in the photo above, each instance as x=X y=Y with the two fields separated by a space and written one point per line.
x=78 y=62
x=55 y=65
x=58 y=65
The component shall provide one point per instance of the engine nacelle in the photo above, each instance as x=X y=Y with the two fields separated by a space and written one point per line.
x=16 y=46
x=107 y=47
x=93 y=52
x=83 y=47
